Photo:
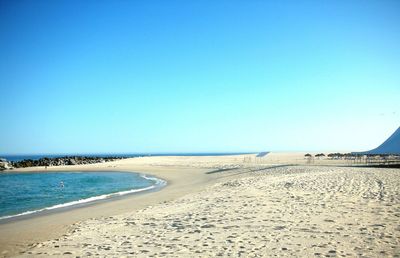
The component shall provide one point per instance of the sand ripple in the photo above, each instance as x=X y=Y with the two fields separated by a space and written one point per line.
x=286 y=211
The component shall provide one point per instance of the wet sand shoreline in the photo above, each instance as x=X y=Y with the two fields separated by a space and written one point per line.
x=225 y=207
x=19 y=234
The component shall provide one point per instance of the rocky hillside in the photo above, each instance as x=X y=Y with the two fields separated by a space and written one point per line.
x=59 y=161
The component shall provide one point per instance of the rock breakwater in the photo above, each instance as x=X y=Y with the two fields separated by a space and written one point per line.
x=61 y=161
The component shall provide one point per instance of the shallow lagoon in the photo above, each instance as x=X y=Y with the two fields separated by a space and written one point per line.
x=27 y=193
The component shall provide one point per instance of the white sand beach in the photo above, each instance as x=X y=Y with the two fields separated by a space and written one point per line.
x=199 y=129
x=226 y=206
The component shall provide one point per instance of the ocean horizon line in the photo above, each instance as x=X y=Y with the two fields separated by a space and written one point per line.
x=18 y=157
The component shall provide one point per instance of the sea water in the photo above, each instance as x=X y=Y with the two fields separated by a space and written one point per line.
x=124 y=155
x=27 y=193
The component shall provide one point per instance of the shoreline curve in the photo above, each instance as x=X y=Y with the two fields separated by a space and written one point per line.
x=158 y=185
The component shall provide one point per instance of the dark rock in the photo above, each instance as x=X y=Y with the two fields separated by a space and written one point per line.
x=61 y=161
x=71 y=162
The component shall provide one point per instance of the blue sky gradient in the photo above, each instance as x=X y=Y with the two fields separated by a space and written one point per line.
x=198 y=76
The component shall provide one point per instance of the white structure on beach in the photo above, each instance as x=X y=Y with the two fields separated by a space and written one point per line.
x=390 y=146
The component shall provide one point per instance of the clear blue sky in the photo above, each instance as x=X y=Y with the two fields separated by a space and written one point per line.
x=198 y=76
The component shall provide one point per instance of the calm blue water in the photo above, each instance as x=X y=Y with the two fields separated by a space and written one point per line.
x=29 y=192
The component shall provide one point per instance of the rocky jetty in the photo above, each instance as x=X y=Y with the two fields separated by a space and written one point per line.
x=61 y=161
x=4 y=164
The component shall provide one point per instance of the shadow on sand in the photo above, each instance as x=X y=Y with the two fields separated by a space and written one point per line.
x=248 y=170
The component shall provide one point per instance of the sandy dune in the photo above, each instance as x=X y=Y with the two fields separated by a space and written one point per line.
x=252 y=211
